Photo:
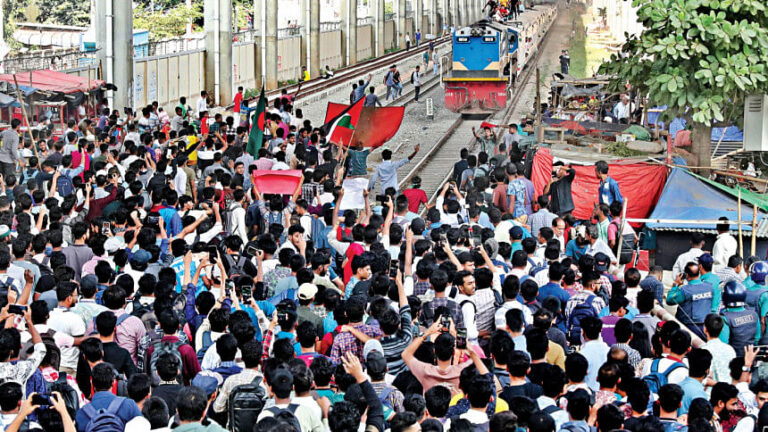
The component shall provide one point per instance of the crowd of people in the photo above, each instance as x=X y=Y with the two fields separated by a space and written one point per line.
x=147 y=283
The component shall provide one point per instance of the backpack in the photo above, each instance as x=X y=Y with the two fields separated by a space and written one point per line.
x=551 y=409
x=383 y=397
x=71 y=398
x=287 y=415
x=627 y=245
x=412 y=79
x=166 y=347
x=386 y=77
x=120 y=320
x=64 y=186
x=535 y=268
x=227 y=216
x=656 y=379
x=236 y=268
x=579 y=312
x=105 y=420
x=207 y=342
x=244 y=406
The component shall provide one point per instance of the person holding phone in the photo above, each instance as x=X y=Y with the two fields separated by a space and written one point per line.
x=20 y=371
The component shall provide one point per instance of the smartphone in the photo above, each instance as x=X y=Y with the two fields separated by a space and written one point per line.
x=445 y=321
x=127 y=110
x=381 y=198
x=41 y=400
x=17 y=309
x=212 y=253
x=105 y=227
x=461 y=338
x=252 y=250
x=394 y=265
x=762 y=352
x=246 y=291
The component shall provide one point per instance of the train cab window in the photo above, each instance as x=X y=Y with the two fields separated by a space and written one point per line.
x=512 y=39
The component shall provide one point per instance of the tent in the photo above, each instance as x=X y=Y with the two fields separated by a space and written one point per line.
x=688 y=197
x=640 y=183
x=728 y=134
x=52 y=81
x=8 y=101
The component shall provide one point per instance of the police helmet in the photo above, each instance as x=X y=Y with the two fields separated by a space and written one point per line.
x=759 y=271
x=734 y=294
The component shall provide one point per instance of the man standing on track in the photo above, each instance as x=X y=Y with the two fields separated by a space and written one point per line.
x=387 y=170
x=416 y=81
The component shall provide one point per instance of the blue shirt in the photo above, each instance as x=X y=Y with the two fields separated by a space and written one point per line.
x=573 y=250
x=387 y=172
x=655 y=286
x=692 y=389
x=631 y=312
x=172 y=221
x=609 y=192
x=178 y=266
x=517 y=188
x=101 y=400
x=554 y=289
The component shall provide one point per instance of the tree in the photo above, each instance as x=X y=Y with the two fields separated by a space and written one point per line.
x=698 y=57
x=167 y=24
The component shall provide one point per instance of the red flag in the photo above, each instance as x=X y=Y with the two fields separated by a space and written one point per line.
x=484 y=125
x=277 y=182
x=375 y=125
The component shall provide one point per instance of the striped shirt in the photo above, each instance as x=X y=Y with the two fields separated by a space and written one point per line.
x=453 y=307
x=484 y=301
x=395 y=344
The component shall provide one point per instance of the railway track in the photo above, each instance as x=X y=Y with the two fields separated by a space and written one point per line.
x=351 y=73
x=436 y=167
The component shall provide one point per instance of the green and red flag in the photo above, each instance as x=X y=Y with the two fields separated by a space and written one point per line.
x=256 y=135
x=375 y=126
x=340 y=128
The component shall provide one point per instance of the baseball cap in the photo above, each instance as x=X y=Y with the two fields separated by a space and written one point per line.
x=209 y=383
x=706 y=259
x=89 y=281
x=307 y=291
x=375 y=363
x=418 y=225
x=601 y=262
x=141 y=257
x=516 y=233
x=371 y=346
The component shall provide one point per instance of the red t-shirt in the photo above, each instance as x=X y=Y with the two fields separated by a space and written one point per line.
x=238 y=101
x=416 y=197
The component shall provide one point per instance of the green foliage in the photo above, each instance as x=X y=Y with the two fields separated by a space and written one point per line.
x=165 y=24
x=698 y=57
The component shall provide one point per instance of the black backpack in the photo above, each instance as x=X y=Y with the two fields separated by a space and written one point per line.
x=244 y=406
x=287 y=415
x=236 y=268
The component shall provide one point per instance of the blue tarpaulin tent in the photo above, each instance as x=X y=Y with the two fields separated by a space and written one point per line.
x=685 y=197
x=728 y=134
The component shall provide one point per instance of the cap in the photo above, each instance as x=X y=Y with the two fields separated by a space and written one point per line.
x=516 y=233
x=492 y=246
x=114 y=244
x=418 y=225
x=307 y=291
x=706 y=259
x=601 y=262
x=371 y=346
x=282 y=381
x=141 y=257
x=209 y=383
x=89 y=281
x=4 y=231
x=375 y=363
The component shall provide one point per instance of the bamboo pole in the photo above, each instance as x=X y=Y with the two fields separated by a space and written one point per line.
x=621 y=230
x=741 y=240
x=753 y=249
x=26 y=118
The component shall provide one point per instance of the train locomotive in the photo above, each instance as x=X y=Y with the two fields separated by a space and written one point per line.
x=488 y=56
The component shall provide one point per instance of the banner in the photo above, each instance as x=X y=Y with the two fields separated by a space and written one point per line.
x=277 y=182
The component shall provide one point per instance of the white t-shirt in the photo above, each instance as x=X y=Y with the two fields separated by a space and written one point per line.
x=67 y=322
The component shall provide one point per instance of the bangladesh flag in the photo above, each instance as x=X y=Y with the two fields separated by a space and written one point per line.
x=256 y=135
x=341 y=127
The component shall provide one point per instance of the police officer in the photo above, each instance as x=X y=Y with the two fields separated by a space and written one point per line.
x=706 y=261
x=694 y=298
x=742 y=328
x=757 y=292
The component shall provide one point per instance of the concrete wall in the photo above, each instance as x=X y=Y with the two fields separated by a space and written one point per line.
x=166 y=78
x=410 y=29
x=246 y=68
x=365 y=41
x=330 y=49
x=389 y=35
x=289 y=58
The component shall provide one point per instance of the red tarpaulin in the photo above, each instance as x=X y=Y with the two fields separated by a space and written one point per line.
x=48 y=80
x=277 y=182
x=375 y=126
x=641 y=184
